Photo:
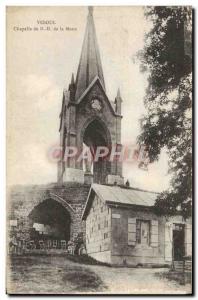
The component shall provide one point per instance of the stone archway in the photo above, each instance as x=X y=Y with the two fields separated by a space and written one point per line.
x=70 y=198
x=51 y=218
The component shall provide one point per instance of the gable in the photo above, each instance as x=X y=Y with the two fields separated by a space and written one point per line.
x=96 y=91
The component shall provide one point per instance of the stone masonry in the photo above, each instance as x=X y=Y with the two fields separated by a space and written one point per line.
x=23 y=199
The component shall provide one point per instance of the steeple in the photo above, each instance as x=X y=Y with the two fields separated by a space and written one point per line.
x=90 y=63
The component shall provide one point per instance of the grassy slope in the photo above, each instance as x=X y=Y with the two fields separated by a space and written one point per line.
x=64 y=276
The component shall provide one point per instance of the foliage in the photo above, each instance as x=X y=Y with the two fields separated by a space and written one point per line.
x=168 y=101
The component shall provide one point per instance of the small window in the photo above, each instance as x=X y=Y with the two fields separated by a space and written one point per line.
x=105 y=235
x=98 y=226
x=178 y=227
x=102 y=209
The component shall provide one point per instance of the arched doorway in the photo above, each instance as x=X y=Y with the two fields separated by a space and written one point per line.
x=50 y=221
x=96 y=134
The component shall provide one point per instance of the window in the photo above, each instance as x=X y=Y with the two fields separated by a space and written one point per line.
x=178 y=227
x=105 y=235
x=143 y=232
x=98 y=226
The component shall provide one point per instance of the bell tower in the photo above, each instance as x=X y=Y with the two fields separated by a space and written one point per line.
x=89 y=120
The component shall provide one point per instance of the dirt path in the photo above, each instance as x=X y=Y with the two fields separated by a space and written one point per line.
x=138 y=281
x=58 y=275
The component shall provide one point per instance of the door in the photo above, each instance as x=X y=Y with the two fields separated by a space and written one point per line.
x=178 y=241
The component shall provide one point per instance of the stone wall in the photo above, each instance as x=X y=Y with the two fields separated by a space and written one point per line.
x=98 y=228
x=21 y=200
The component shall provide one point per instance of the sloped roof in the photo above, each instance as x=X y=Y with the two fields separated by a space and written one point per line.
x=90 y=64
x=120 y=196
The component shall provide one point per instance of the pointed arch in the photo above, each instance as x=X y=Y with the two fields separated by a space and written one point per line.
x=101 y=123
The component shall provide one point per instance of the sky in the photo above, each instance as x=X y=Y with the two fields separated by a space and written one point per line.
x=39 y=67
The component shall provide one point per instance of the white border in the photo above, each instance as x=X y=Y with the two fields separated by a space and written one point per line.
x=97 y=2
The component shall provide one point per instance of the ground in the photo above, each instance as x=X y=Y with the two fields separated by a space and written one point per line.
x=60 y=275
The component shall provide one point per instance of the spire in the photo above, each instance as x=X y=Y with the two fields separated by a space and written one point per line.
x=118 y=94
x=90 y=63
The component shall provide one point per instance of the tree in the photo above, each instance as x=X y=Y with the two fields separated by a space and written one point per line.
x=168 y=121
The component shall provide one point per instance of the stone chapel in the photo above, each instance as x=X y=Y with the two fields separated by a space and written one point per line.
x=89 y=117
